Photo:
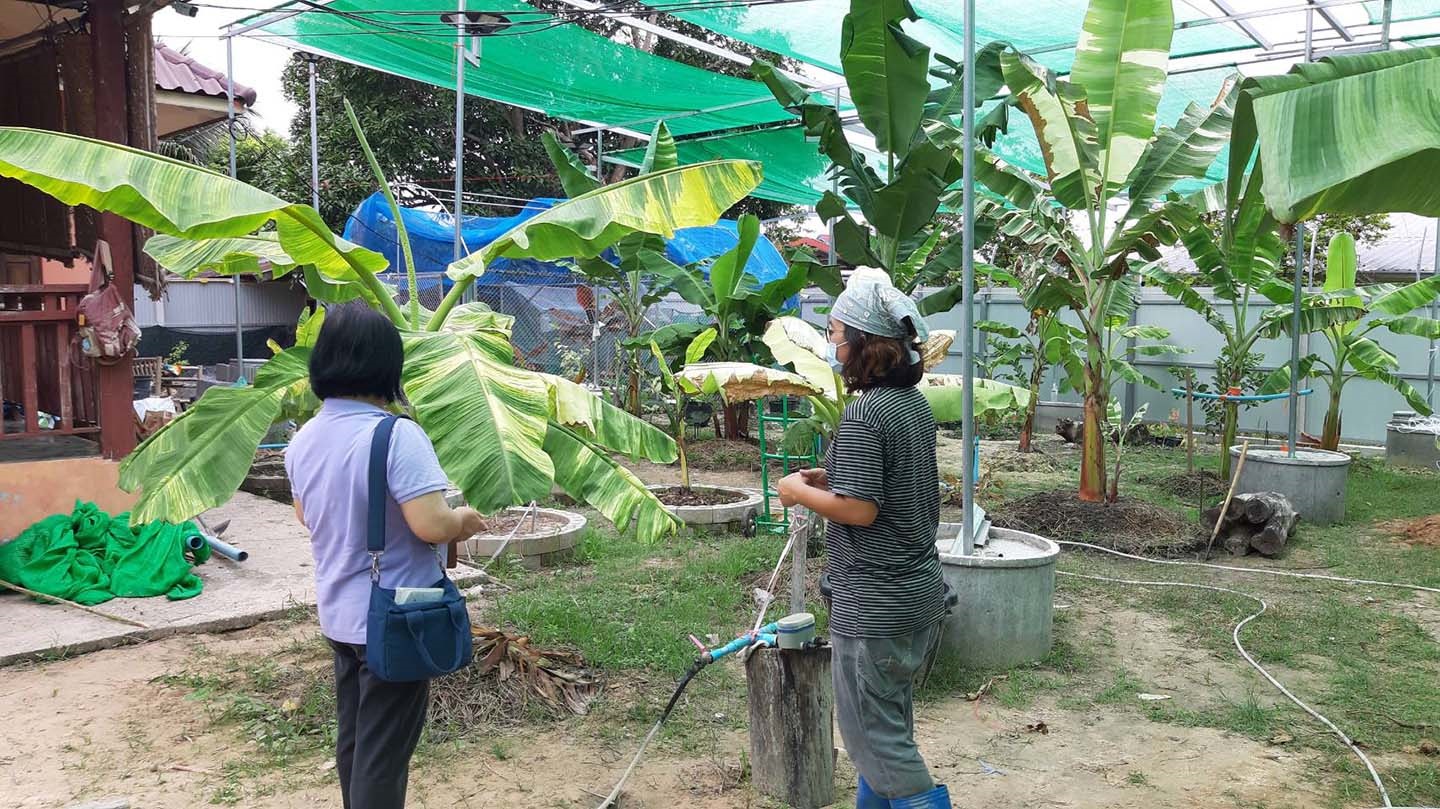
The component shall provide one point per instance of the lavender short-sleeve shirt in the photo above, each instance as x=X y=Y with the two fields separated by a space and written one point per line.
x=328 y=465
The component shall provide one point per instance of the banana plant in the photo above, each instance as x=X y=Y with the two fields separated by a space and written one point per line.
x=620 y=271
x=1097 y=133
x=888 y=75
x=798 y=344
x=1348 y=317
x=503 y=434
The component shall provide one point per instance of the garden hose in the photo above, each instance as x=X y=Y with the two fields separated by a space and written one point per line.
x=695 y=667
x=1235 y=632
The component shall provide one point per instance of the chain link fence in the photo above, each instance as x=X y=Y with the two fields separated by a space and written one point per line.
x=574 y=331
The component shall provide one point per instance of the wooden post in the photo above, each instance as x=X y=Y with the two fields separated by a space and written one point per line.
x=117 y=385
x=792 y=732
x=1190 y=426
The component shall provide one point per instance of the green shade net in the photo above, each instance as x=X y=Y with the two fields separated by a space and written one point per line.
x=810 y=31
x=561 y=70
x=1403 y=10
x=795 y=172
x=89 y=557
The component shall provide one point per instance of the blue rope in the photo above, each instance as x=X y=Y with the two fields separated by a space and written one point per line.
x=1254 y=397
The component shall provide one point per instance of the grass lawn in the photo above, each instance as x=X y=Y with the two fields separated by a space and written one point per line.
x=1365 y=656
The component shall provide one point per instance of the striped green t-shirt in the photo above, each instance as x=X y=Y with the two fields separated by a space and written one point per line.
x=885 y=577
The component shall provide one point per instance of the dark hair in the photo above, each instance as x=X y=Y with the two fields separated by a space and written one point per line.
x=358 y=354
x=879 y=362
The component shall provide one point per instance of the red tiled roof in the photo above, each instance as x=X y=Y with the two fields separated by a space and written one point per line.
x=176 y=71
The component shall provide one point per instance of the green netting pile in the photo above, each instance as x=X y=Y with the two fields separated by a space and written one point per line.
x=89 y=557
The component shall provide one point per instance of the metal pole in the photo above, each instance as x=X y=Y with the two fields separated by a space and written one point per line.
x=967 y=162
x=1385 y=24
x=1430 y=372
x=459 y=125
x=834 y=189
x=1295 y=339
x=314 y=139
x=230 y=121
x=594 y=289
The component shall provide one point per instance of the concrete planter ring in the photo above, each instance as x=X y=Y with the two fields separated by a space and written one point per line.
x=737 y=515
x=544 y=538
x=1006 y=591
x=1314 y=480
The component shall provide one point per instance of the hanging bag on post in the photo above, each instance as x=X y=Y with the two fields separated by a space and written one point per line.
x=107 y=331
x=412 y=641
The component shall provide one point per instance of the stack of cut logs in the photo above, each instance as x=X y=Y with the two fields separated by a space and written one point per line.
x=1262 y=522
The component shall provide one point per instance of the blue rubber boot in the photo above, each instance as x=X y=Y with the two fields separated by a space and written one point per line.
x=937 y=798
x=865 y=797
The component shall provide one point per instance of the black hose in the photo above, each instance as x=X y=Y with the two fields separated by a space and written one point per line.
x=695 y=668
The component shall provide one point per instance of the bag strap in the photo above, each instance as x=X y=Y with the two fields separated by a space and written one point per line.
x=375 y=508
x=101 y=268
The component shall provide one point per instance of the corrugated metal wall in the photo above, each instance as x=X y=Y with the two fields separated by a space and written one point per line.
x=209 y=306
x=1366 y=405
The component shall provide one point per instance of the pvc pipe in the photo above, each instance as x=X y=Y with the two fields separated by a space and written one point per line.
x=227 y=550
x=194 y=542
x=1253 y=397
x=765 y=636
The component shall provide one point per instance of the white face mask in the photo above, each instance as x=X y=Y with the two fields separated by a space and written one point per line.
x=830 y=354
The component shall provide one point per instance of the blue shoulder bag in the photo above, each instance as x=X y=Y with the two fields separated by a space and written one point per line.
x=414 y=641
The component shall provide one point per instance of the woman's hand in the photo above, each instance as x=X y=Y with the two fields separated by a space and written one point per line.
x=816 y=477
x=472 y=522
x=791 y=488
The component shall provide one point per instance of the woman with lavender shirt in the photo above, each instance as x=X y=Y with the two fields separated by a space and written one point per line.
x=355 y=370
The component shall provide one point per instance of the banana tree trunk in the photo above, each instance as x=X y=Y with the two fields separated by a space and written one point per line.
x=1027 y=430
x=737 y=420
x=684 y=464
x=1330 y=438
x=1092 y=458
x=1227 y=436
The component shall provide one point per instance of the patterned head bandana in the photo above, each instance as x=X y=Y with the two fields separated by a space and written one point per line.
x=872 y=304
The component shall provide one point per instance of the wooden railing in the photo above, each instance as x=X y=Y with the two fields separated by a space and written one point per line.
x=37 y=324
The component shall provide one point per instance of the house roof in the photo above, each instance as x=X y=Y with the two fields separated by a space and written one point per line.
x=181 y=73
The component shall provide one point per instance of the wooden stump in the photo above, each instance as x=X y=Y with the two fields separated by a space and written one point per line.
x=1262 y=522
x=792 y=736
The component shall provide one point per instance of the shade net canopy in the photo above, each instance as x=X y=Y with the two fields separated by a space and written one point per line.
x=561 y=70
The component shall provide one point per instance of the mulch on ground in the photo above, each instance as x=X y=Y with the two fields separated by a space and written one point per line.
x=1418 y=531
x=1202 y=484
x=1128 y=525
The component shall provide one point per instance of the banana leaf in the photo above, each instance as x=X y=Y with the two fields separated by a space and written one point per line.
x=1184 y=151
x=886 y=71
x=199 y=460
x=661 y=202
x=1120 y=62
x=744 y=381
x=661 y=153
x=604 y=424
x=1068 y=139
x=797 y=344
x=574 y=176
x=236 y=255
x=178 y=199
x=1352 y=134
x=946 y=394
x=591 y=476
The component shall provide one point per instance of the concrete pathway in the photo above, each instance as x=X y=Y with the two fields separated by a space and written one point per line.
x=276 y=578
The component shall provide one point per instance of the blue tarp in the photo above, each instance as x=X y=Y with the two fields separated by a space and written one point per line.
x=432 y=236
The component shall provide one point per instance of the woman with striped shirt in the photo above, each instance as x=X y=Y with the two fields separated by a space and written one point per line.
x=880 y=492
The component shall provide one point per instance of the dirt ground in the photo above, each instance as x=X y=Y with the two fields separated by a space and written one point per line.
x=106 y=725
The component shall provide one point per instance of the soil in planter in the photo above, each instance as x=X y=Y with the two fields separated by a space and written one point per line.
x=500 y=525
x=676 y=496
x=1129 y=525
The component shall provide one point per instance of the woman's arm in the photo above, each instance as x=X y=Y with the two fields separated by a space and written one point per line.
x=433 y=521
x=811 y=492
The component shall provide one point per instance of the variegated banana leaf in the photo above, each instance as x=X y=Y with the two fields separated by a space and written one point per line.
x=199 y=460
x=661 y=202
x=744 y=381
x=937 y=347
x=886 y=72
x=243 y=255
x=178 y=199
x=1120 y=63
x=797 y=344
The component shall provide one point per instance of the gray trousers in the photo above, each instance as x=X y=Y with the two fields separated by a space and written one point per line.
x=875 y=707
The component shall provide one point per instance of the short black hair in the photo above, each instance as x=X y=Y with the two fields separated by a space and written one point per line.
x=358 y=354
